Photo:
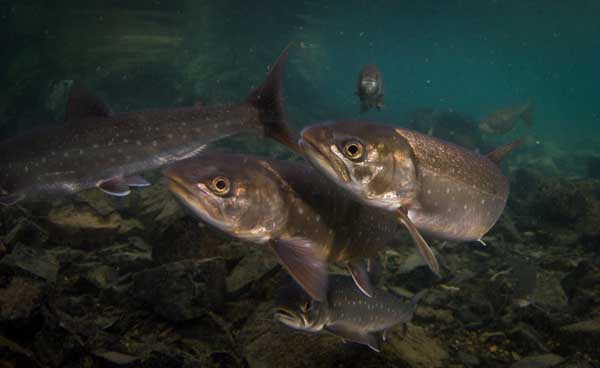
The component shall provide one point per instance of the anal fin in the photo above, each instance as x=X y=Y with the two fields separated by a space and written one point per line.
x=301 y=258
x=358 y=270
x=422 y=246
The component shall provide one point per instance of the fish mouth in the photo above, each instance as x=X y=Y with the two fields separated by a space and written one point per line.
x=179 y=188
x=288 y=318
x=332 y=165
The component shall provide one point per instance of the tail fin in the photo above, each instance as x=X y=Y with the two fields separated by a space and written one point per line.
x=499 y=153
x=268 y=99
x=527 y=115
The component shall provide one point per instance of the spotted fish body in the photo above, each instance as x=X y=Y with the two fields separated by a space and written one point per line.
x=290 y=207
x=96 y=148
x=461 y=194
x=348 y=313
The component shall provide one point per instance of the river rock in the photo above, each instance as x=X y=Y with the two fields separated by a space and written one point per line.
x=539 y=361
x=182 y=290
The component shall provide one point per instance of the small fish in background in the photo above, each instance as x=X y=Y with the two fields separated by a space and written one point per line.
x=98 y=148
x=504 y=120
x=370 y=88
x=524 y=278
x=346 y=312
x=291 y=209
x=432 y=186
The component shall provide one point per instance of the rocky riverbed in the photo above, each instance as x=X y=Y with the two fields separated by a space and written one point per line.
x=94 y=281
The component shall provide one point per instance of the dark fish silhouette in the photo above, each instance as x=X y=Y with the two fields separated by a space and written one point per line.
x=97 y=148
x=433 y=186
x=289 y=207
x=346 y=312
x=370 y=88
x=504 y=120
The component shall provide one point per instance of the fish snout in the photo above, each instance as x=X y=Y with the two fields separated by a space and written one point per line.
x=314 y=136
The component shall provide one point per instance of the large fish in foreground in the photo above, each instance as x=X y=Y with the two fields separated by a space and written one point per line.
x=289 y=207
x=96 y=148
x=346 y=312
x=433 y=186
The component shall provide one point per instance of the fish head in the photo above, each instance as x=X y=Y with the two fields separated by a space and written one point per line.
x=297 y=310
x=234 y=193
x=372 y=161
x=368 y=80
x=369 y=85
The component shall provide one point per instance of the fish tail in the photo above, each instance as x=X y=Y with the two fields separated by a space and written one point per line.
x=268 y=99
x=527 y=116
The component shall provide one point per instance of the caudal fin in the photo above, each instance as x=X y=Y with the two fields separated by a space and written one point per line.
x=527 y=115
x=268 y=100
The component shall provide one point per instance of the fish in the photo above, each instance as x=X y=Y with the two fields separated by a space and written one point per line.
x=524 y=279
x=346 y=312
x=98 y=148
x=434 y=187
x=370 y=88
x=505 y=119
x=289 y=208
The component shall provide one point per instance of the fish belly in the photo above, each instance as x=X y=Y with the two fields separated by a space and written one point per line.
x=452 y=210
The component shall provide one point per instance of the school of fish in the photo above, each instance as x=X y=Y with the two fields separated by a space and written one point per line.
x=363 y=185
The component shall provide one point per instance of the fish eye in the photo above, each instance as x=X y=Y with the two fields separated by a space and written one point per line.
x=220 y=185
x=353 y=150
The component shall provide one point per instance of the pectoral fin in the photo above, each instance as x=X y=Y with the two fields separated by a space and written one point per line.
x=115 y=186
x=358 y=270
x=345 y=332
x=302 y=260
x=422 y=246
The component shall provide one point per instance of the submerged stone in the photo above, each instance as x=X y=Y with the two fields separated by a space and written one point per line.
x=35 y=261
x=540 y=361
x=182 y=290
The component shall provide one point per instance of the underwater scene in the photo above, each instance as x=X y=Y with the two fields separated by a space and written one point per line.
x=300 y=183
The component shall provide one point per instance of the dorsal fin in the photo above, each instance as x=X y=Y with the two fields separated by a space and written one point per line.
x=82 y=103
x=499 y=153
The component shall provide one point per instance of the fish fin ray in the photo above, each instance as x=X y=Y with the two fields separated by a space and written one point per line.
x=115 y=187
x=82 y=103
x=358 y=270
x=424 y=250
x=345 y=332
x=136 y=181
x=499 y=153
x=268 y=99
x=300 y=257
x=10 y=199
